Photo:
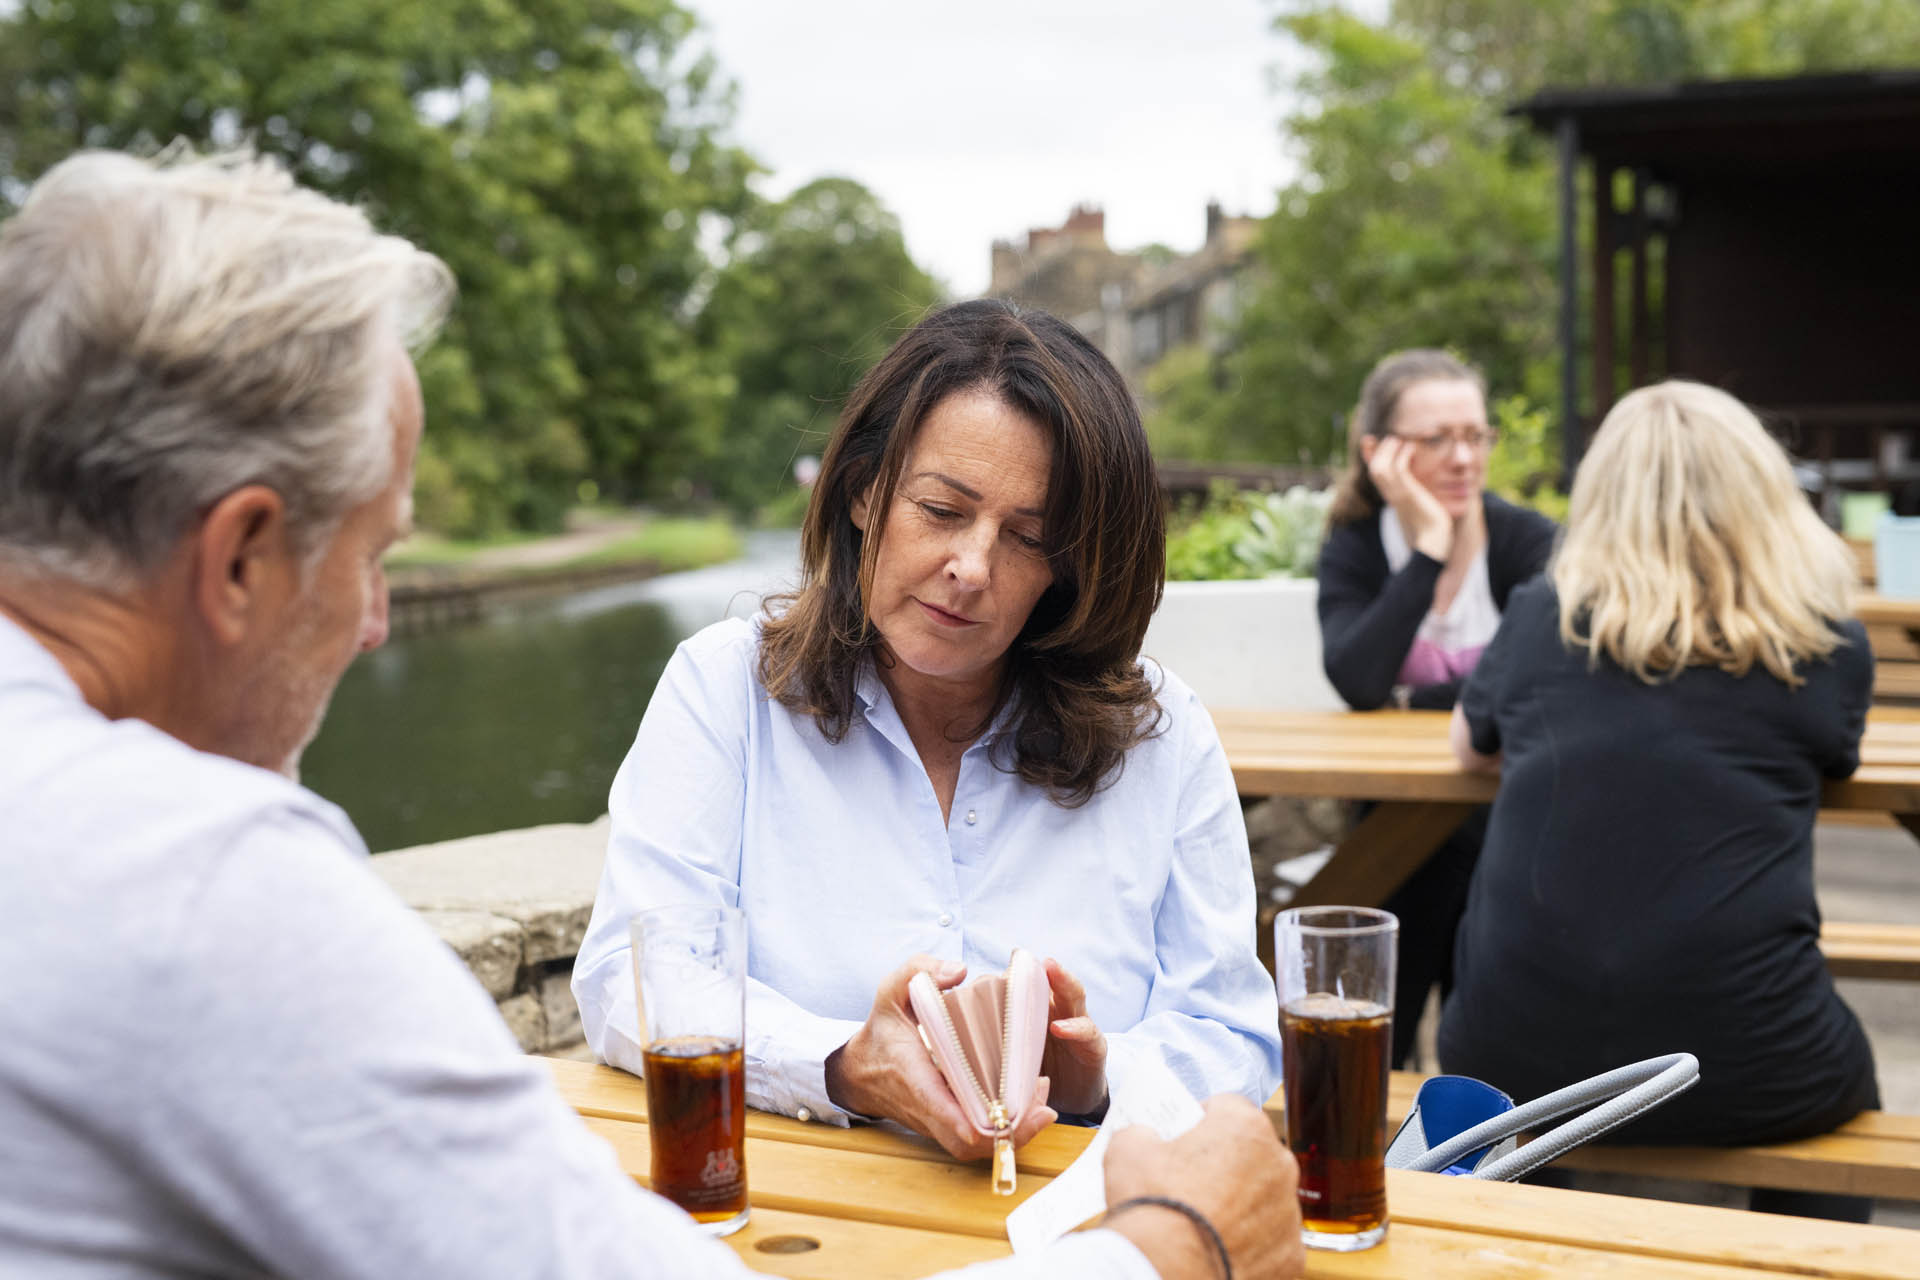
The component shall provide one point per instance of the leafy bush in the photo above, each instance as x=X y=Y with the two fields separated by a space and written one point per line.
x=1525 y=465
x=1242 y=534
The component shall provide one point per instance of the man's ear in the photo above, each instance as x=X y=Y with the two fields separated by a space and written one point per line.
x=244 y=568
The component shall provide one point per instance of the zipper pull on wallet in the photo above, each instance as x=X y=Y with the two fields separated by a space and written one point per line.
x=1003 y=1167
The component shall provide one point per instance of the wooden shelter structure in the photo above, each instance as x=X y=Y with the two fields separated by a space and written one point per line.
x=1759 y=235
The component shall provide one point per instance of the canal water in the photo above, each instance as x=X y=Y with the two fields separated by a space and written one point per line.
x=521 y=717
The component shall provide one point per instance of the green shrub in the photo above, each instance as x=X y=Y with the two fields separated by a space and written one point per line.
x=1525 y=465
x=1244 y=534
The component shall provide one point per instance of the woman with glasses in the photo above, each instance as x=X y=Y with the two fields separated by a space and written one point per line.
x=1417 y=566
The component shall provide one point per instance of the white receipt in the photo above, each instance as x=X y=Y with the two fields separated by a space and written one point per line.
x=1142 y=1091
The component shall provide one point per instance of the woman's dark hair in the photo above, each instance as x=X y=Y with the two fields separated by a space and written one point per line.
x=1356 y=497
x=1083 y=701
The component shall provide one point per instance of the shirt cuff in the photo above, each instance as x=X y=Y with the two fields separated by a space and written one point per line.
x=1099 y=1252
x=1116 y=1256
x=796 y=1085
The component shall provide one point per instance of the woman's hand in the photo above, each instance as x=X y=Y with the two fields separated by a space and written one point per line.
x=1075 y=1059
x=886 y=1071
x=1425 y=522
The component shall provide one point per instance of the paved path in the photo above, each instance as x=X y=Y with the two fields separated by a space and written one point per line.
x=557 y=549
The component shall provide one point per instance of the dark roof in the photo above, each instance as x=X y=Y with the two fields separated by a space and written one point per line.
x=1821 y=123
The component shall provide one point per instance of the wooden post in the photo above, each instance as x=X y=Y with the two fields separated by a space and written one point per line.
x=1641 y=321
x=1603 y=310
x=1572 y=439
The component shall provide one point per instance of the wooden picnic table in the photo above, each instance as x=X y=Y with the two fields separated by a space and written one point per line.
x=1403 y=760
x=1893 y=629
x=1887 y=611
x=867 y=1203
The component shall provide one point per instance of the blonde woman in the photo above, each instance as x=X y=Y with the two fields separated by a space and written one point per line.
x=1663 y=706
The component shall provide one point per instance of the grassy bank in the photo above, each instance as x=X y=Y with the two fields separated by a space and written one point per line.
x=672 y=544
x=597 y=539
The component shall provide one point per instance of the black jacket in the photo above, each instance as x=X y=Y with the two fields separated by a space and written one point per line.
x=1369 y=618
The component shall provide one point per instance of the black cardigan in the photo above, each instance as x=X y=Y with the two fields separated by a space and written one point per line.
x=1369 y=618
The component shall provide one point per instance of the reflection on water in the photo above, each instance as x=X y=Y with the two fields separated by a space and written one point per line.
x=523 y=717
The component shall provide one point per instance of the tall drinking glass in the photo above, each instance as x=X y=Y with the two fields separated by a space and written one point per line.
x=1334 y=970
x=690 y=972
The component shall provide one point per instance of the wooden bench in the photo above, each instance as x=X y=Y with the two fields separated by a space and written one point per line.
x=1863 y=560
x=1896 y=682
x=1871 y=950
x=1892 y=627
x=1873 y=1154
x=1883 y=951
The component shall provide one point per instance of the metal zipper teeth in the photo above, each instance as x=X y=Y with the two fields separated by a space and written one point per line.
x=960 y=1053
x=1006 y=1036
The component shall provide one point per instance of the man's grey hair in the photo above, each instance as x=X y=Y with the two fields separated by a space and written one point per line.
x=174 y=329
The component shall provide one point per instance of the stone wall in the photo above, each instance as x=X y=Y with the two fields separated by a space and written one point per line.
x=513 y=905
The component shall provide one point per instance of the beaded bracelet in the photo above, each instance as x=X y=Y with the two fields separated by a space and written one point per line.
x=1193 y=1215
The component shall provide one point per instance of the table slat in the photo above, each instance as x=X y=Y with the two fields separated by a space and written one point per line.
x=935 y=1195
x=612 y=1094
x=1655 y=1229
x=848 y=1247
x=1416 y=1251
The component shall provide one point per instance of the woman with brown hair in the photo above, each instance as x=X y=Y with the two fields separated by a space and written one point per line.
x=944 y=745
x=1417 y=566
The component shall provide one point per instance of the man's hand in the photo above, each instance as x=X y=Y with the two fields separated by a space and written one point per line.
x=1233 y=1170
x=886 y=1071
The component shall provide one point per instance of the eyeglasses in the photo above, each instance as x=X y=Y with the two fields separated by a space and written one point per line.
x=1442 y=443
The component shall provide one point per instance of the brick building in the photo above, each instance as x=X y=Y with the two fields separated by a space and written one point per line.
x=1134 y=308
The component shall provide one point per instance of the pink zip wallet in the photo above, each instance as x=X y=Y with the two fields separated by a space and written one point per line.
x=986 y=1037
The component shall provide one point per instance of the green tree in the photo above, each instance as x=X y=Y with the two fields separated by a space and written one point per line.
x=1514 y=47
x=1425 y=216
x=561 y=156
x=819 y=286
x=1189 y=412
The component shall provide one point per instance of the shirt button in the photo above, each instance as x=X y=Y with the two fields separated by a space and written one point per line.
x=946 y=918
x=803 y=1114
x=972 y=817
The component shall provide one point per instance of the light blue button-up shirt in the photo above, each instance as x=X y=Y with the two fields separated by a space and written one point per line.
x=840 y=857
x=299 y=1128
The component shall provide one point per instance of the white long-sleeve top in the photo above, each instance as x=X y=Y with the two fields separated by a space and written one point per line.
x=227 y=1049
x=840 y=858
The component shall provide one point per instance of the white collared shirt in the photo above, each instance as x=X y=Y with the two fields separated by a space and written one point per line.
x=839 y=856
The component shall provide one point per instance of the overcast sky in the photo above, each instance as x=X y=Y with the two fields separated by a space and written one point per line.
x=980 y=119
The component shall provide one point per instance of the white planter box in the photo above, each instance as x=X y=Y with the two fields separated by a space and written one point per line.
x=1244 y=644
